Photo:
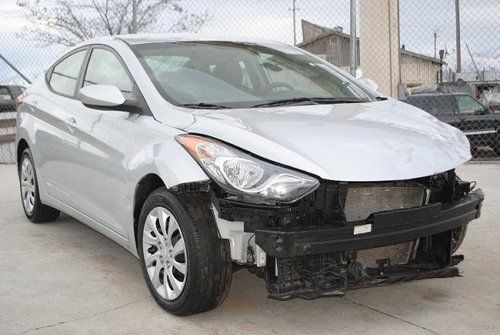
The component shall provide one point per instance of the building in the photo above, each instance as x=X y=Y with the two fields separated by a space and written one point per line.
x=333 y=45
x=330 y=44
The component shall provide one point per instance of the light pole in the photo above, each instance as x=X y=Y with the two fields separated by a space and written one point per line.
x=352 y=54
x=457 y=34
x=435 y=44
x=134 y=17
x=294 y=18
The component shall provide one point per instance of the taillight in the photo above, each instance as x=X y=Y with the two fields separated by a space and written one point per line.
x=19 y=99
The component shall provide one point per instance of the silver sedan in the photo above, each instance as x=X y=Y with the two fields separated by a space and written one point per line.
x=205 y=155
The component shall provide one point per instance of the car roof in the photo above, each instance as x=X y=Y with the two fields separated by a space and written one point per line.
x=136 y=39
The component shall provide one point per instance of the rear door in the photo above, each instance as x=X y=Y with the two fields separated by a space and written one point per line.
x=55 y=140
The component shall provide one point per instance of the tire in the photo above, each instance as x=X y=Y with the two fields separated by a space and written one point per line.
x=497 y=150
x=206 y=256
x=33 y=207
x=458 y=236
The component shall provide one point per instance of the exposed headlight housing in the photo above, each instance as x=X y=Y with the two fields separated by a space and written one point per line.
x=245 y=176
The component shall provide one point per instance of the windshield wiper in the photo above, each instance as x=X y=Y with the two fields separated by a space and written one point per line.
x=203 y=105
x=315 y=101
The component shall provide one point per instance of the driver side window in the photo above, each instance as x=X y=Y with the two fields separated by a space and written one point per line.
x=105 y=69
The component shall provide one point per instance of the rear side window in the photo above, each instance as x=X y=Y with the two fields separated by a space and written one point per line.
x=468 y=105
x=105 y=69
x=65 y=74
x=16 y=91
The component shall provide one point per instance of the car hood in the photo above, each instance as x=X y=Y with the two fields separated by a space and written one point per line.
x=375 y=141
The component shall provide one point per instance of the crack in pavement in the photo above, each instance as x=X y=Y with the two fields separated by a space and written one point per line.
x=391 y=316
x=82 y=318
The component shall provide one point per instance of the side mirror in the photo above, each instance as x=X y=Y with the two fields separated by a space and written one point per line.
x=101 y=96
x=371 y=84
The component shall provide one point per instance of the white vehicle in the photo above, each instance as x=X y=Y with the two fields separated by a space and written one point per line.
x=204 y=155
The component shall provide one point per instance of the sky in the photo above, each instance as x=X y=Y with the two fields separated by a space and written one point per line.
x=419 y=20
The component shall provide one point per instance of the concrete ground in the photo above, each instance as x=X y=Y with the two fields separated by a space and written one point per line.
x=64 y=278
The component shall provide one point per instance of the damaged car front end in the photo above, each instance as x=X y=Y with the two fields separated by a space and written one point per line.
x=205 y=155
x=310 y=237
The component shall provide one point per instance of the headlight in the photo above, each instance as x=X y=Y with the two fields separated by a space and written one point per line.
x=246 y=176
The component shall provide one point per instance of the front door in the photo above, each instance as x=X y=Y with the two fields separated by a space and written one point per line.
x=104 y=138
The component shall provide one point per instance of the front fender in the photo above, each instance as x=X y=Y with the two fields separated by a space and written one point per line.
x=169 y=161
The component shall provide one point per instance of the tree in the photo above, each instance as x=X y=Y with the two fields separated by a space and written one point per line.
x=69 y=22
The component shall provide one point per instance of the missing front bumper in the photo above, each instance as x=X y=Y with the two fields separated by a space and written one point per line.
x=323 y=262
x=335 y=283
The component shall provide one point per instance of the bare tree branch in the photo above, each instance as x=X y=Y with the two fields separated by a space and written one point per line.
x=69 y=22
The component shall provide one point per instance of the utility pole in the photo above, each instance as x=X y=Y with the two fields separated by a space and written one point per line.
x=134 y=17
x=435 y=44
x=457 y=34
x=353 y=52
x=294 y=10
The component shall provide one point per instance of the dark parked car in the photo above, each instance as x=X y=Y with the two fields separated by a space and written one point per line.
x=464 y=112
x=8 y=95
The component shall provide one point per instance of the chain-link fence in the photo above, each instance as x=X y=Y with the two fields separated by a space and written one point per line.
x=442 y=56
x=8 y=122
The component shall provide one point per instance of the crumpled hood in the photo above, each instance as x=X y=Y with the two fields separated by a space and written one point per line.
x=376 y=141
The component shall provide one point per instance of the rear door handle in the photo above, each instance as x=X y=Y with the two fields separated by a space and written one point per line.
x=70 y=123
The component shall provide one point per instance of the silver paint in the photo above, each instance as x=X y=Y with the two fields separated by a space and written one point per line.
x=89 y=162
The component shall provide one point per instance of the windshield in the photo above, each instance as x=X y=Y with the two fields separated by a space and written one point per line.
x=237 y=75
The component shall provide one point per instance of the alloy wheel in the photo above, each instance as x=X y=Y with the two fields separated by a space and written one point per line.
x=28 y=187
x=165 y=254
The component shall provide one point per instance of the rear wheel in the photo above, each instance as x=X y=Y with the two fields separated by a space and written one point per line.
x=187 y=267
x=34 y=209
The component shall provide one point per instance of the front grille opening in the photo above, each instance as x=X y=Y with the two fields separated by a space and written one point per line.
x=363 y=200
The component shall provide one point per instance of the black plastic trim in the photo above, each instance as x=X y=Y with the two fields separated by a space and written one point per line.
x=390 y=227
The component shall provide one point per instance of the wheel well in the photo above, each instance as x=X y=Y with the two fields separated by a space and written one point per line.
x=144 y=188
x=20 y=148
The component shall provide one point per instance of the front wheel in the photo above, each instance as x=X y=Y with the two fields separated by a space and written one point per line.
x=457 y=237
x=187 y=267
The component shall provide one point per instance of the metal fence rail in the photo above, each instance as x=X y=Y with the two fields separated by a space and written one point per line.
x=442 y=56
